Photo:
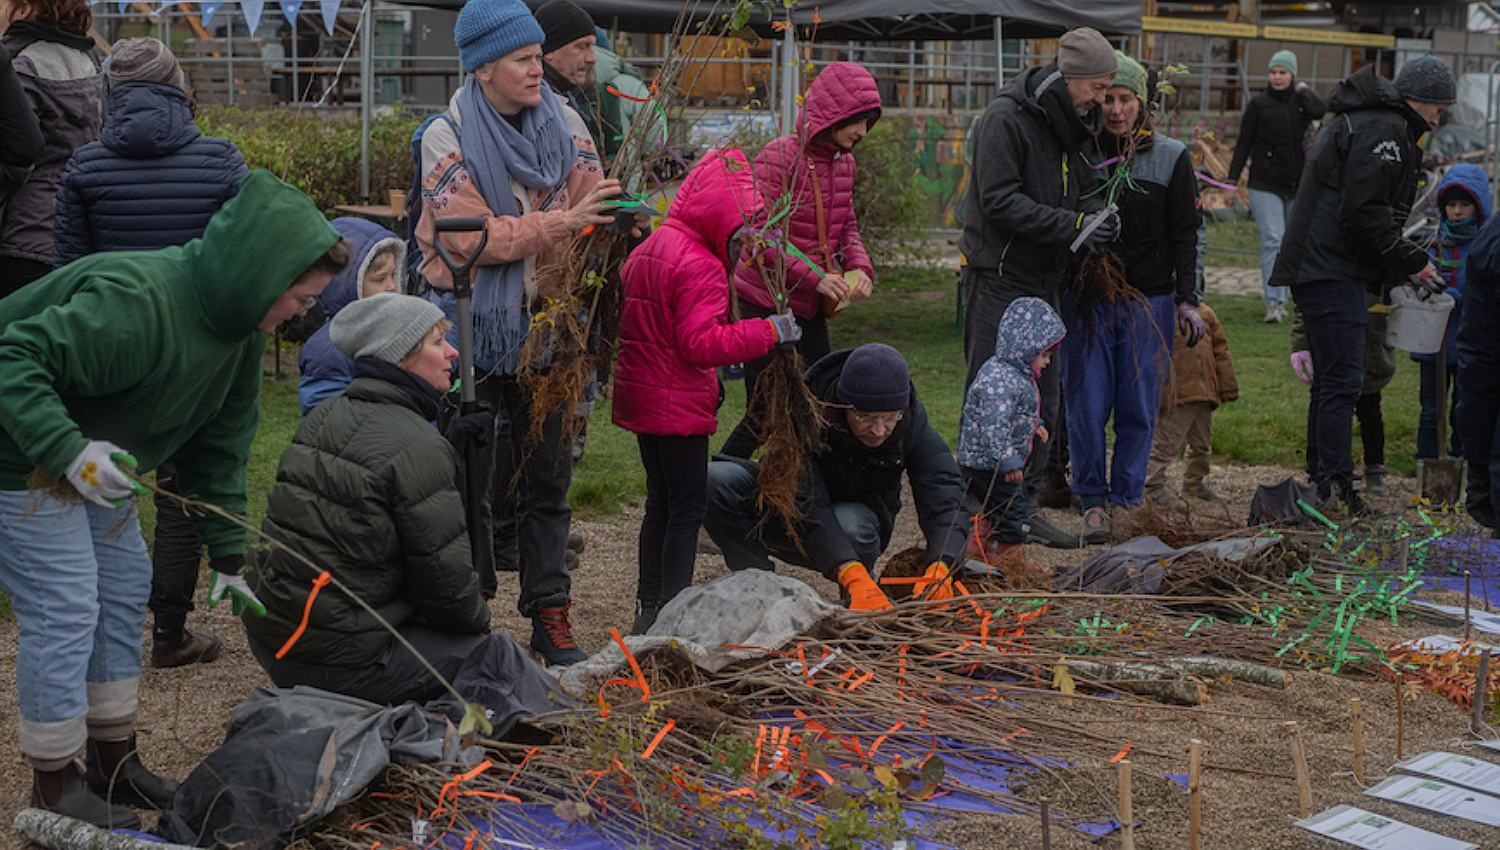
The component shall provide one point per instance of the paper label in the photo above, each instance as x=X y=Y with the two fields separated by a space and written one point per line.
x=1440 y=797
x=1459 y=770
x=1374 y=832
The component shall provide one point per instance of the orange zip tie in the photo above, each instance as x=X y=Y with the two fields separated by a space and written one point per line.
x=1021 y=730
x=760 y=739
x=318 y=584
x=860 y=681
x=603 y=706
x=491 y=795
x=802 y=659
x=1120 y=756
x=889 y=732
x=984 y=629
x=823 y=775
x=655 y=742
x=623 y=96
x=635 y=666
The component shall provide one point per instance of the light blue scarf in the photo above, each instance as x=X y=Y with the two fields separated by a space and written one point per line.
x=539 y=156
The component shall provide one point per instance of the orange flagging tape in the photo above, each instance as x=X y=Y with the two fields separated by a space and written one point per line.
x=1014 y=735
x=655 y=742
x=524 y=759
x=452 y=784
x=635 y=666
x=318 y=584
x=603 y=706
x=623 y=96
x=1124 y=751
x=760 y=739
x=861 y=680
x=889 y=732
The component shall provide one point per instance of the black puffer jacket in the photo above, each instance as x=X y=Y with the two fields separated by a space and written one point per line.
x=847 y=471
x=1356 y=192
x=152 y=180
x=366 y=490
x=1271 y=134
x=1026 y=187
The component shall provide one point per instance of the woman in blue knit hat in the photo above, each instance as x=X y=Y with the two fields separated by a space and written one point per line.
x=1271 y=134
x=509 y=151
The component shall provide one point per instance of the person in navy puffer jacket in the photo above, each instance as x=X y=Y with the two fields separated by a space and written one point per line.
x=152 y=180
x=379 y=265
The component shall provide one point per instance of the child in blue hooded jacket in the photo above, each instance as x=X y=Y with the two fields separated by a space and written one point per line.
x=1464 y=206
x=1001 y=419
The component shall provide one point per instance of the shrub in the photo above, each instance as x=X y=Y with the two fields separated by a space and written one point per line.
x=888 y=201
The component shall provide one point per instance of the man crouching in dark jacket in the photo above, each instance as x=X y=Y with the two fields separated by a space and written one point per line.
x=1345 y=238
x=875 y=430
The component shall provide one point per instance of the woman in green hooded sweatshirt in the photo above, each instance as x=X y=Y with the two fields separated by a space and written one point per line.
x=117 y=362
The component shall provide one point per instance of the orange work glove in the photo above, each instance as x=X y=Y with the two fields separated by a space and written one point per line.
x=864 y=595
x=935 y=584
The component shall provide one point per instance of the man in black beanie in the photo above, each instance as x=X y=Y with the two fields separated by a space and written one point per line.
x=874 y=430
x=1345 y=239
x=568 y=58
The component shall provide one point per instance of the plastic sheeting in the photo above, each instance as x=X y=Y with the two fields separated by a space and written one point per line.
x=1138 y=566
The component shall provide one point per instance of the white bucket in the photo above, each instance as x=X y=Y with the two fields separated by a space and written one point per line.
x=1415 y=325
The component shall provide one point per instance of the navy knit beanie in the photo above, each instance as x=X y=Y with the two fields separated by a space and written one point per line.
x=563 y=22
x=875 y=379
x=489 y=29
x=1427 y=79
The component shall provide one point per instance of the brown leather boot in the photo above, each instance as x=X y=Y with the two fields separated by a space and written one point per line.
x=115 y=773
x=66 y=792
x=186 y=647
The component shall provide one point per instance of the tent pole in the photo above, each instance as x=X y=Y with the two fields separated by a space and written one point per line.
x=366 y=94
x=999 y=53
x=789 y=80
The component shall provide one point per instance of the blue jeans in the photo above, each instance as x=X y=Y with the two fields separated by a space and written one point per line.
x=78 y=577
x=1271 y=212
x=1118 y=371
x=1427 y=419
x=1335 y=314
x=732 y=519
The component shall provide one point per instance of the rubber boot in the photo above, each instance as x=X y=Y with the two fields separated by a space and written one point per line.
x=115 y=773
x=67 y=793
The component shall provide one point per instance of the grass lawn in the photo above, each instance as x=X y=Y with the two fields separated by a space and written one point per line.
x=1234 y=243
x=913 y=310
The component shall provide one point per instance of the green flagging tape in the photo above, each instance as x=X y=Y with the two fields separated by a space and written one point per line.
x=1201 y=621
x=1316 y=514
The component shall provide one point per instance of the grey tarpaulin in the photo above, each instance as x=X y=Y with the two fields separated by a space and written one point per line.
x=1276 y=504
x=755 y=608
x=290 y=757
x=1139 y=565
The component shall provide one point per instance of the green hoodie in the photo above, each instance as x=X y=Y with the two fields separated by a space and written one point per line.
x=157 y=351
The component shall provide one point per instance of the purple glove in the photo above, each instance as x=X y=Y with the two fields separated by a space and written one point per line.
x=1302 y=366
x=1428 y=282
x=1191 y=322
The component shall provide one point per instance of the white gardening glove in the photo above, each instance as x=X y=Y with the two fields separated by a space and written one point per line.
x=228 y=584
x=97 y=476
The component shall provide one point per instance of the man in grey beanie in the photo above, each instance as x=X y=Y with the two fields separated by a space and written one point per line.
x=1344 y=240
x=1027 y=202
x=143 y=60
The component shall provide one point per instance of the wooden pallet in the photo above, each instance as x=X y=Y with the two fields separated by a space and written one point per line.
x=206 y=63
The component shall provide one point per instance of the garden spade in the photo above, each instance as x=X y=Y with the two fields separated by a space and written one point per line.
x=1440 y=480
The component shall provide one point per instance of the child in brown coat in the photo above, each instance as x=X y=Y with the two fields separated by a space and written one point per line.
x=1202 y=378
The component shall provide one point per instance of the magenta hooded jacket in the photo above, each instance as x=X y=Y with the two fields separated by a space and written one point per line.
x=674 y=328
x=787 y=166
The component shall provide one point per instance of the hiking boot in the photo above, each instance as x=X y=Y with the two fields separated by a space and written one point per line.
x=552 y=636
x=1165 y=499
x=116 y=774
x=576 y=541
x=1201 y=491
x=67 y=793
x=185 y=647
x=1375 y=480
x=1042 y=531
x=1055 y=492
x=1096 y=525
x=1341 y=499
x=645 y=616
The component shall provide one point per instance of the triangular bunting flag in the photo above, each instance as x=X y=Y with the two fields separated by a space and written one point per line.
x=252 y=10
x=210 y=8
x=330 y=13
x=289 y=10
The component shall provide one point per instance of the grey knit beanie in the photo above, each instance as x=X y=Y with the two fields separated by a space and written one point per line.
x=384 y=326
x=143 y=60
x=1283 y=59
x=875 y=378
x=1085 y=53
x=1427 y=79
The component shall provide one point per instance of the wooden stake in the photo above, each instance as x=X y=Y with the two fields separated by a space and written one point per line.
x=1357 y=720
x=1195 y=793
x=1466 y=606
x=1127 y=815
x=1046 y=824
x=1400 y=721
x=1481 y=696
x=1299 y=767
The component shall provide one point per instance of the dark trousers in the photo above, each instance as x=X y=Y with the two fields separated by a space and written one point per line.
x=814 y=344
x=397 y=677
x=749 y=537
x=1371 y=433
x=530 y=490
x=1008 y=507
x=984 y=305
x=176 y=553
x=1427 y=419
x=1335 y=314
x=1479 y=422
x=16 y=273
x=676 y=489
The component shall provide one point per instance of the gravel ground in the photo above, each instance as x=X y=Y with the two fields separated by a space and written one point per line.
x=183 y=714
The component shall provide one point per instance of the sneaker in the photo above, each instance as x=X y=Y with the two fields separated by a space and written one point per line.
x=1375 y=480
x=1041 y=530
x=1165 y=499
x=1096 y=525
x=1275 y=312
x=1201 y=491
x=1055 y=492
x=185 y=647
x=552 y=636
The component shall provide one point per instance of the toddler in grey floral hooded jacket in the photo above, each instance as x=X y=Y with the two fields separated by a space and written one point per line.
x=1002 y=409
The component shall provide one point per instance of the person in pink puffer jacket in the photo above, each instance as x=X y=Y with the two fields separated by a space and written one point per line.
x=814 y=168
x=675 y=331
